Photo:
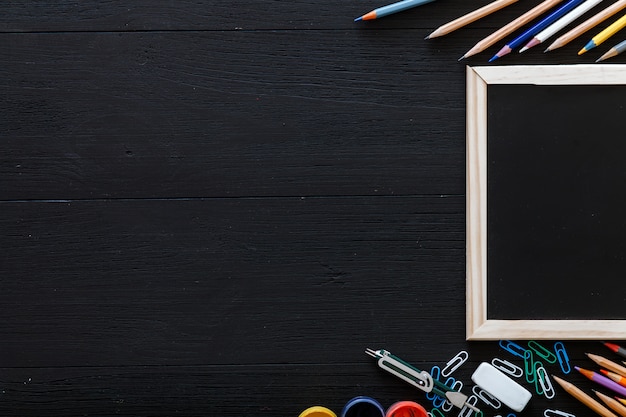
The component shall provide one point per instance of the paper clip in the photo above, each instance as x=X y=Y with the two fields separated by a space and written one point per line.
x=545 y=382
x=419 y=379
x=486 y=397
x=529 y=367
x=454 y=363
x=435 y=373
x=542 y=352
x=512 y=348
x=507 y=367
x=538 y=385
x=561 y=355
x=401 y=369
x=456 y=385
x=466 y=411
x=557 y=413
x=435 y=412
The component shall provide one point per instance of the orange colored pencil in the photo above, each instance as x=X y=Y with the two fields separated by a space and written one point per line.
x=615 y=377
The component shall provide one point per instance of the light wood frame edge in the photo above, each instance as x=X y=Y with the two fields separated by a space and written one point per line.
x=478 y=327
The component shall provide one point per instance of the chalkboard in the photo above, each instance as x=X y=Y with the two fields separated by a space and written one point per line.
x=546 y=202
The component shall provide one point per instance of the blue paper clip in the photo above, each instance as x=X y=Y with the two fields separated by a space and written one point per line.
x=435 y=373
x=512 y=348
x=561 y=355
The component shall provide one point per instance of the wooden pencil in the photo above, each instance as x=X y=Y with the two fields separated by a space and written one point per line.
x=612 y=403
x=470 y=17
x=622 y=400
x=605 y=363
x=580 y=395
x=511 y=27
x=586 y=25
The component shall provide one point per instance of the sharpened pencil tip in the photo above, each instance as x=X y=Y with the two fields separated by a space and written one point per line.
x=523 y=49
x=493 y=58
x=358 y=19
x=462 y=58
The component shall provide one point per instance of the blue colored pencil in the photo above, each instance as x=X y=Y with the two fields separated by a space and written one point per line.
x=392 y=8
x=544 y=23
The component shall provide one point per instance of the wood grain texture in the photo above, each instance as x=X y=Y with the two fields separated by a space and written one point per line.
x=213 y=208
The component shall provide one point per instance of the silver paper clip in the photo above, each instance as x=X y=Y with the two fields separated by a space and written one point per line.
x=420 y=379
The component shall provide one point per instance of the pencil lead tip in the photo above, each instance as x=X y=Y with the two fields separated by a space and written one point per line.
x=427 y=38
x=523 y=49
x=462 y=58
x=493 y=58
x=358 y=19
x=547 y=50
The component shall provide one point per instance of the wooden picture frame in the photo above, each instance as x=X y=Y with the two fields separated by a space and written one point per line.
x=478 y=325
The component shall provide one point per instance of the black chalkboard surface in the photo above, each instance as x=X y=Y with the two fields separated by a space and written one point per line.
x=547 y=176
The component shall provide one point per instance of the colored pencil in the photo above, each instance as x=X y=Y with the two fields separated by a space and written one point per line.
x=622 y=400
x=511 y=27
x=611 y=30
x=392 y=8
x=602 y=380
x=470 y=17
x=612 y=403
x=614 y=377
x=561 y=23
x=586 y=25
x=616 y=348
x=605 y=363
x=538 y=27
x=580 y=395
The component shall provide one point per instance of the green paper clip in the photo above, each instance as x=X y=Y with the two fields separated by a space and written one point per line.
x=542 y=352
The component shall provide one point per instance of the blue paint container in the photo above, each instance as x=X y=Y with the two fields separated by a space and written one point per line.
x=363 y=407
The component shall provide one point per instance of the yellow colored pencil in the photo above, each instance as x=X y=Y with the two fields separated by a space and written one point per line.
x=611 y=30
x=580 y=395
x=511 y=27
x=470 y=17
x=622 y=400
x=612 y=403
x=586 y=25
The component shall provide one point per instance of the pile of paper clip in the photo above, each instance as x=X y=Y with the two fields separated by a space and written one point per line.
x=444 y=391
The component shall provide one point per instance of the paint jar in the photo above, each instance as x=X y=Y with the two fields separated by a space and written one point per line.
x=317 y=411
x=406 y=409
x=363 y=407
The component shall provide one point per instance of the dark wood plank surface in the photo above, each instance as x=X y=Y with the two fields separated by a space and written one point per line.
x=213 y=208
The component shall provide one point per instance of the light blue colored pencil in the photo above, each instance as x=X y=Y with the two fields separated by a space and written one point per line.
x=392 y=8
x=616 y=50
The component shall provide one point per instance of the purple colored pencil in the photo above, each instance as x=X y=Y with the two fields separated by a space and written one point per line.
x=602 y=380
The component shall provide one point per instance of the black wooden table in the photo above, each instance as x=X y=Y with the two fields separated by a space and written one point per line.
x=212 y=208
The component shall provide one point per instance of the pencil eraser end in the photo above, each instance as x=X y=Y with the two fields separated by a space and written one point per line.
x=498 y=384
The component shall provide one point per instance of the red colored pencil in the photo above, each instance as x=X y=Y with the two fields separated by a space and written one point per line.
x=615 y=377
x=616 y=348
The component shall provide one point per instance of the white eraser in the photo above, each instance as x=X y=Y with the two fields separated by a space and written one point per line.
x=498 y=384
